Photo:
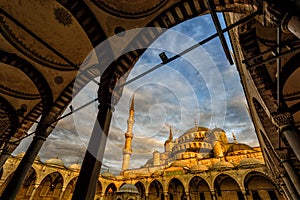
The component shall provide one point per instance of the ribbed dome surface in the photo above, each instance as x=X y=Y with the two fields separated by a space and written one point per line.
x=128 y=188
x=250 y=162
x=55 y=161
x=222 y=165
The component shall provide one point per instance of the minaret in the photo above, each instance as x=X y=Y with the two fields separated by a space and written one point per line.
x=169 y=142
x=127 y=151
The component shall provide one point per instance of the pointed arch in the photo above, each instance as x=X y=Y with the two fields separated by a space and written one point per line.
x=50 y=187
x=110 y=192
x=69 y=189
x=176 y=190
x=199 y=189
x=227 y=187
x=155 y=190
x=141 y=188
x=259 y=186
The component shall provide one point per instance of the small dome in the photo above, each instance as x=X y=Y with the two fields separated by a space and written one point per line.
x=199 y=168
x=247 y=162
x=55 y=161
x=128 y=188
x=218 y=130
x=238 y=147
x=171 y=169
x=223 y=165
x=107 y=175
x=74 y=167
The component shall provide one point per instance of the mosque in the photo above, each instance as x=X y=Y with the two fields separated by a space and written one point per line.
x=45 y=43
x=200 y=164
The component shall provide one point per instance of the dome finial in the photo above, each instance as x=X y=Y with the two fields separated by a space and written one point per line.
x=234 y=137
x=195 y=123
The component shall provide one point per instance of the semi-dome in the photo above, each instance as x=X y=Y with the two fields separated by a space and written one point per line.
x=199 y=168
x=55 y=162
x=128 y=188
x=74 y=167
x=223 y=165
x=247 y=162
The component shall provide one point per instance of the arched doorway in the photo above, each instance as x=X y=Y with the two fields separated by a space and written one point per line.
x=176 y=190
x=141 y=188
x=227 y=188
x=50 y=187
x=156 y=191
x=28 y=185
x=110 y=192
x=199 y=189
x=70 y=189
x=259 y=187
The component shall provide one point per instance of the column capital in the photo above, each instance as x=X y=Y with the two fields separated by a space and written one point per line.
x=283 y=120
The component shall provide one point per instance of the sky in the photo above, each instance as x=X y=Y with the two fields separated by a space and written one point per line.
x=199 y=88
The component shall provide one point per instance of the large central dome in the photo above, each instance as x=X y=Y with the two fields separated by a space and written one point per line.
x=192 y=141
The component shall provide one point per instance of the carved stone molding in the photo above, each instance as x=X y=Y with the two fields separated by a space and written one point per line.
x=283 y=120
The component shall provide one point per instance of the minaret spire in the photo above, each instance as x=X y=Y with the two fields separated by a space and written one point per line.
x=127 y=151
x=170 y=134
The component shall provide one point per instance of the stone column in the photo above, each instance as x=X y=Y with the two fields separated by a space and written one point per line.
x=14 y=185
x=62 y=193
x=33 y=192
x=292 y=192
x=244 y=194
x=291 y=24
x=213 y=195
x=292 y=174
x=187 y=195
x=86 y=184
x=166 y=195
x=146 y=196
x=286 y=129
